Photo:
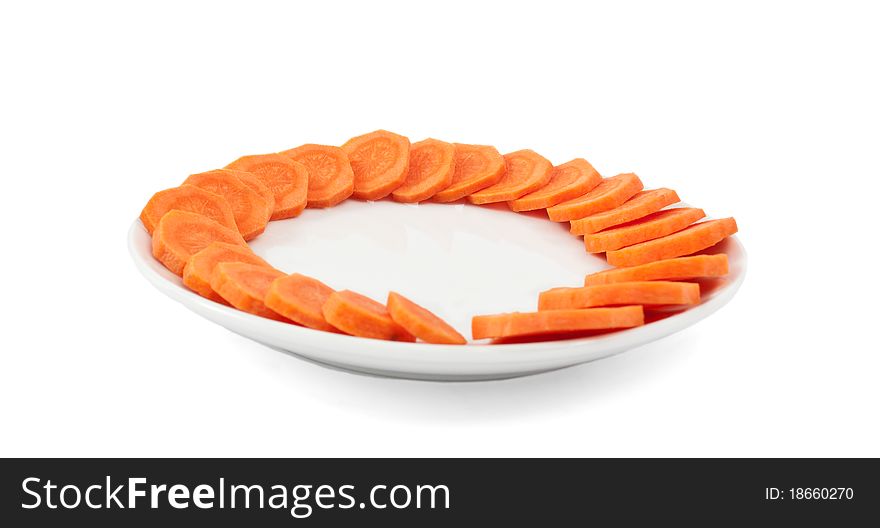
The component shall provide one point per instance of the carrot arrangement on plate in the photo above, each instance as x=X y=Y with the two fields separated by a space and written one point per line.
x=199 y=231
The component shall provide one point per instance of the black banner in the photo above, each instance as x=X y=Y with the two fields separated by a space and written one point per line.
x=320 y=492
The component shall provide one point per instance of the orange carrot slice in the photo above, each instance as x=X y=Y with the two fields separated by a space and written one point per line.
x=300 y=298
x=476 y=167
x=180 y=234
x=639 y=206
x=431 y=166
x=187 y=198
x=555 y=321
x=287 y=180
x=526 y=171
x=567 y=181
x=251 y=211
x=331 y=179
x=244 y=286
x=607 y=195
x=200 y=266
x=698 y=266
x=653 y=226
x=657 y=293
x=421 y=323
x=361 y=316
x=380 y=161
x=258 y=187
x=695 y=238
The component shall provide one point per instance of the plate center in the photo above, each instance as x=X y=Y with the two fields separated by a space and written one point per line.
x=457 y=260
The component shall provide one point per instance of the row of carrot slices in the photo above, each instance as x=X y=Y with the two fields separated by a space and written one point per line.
x=200 y=230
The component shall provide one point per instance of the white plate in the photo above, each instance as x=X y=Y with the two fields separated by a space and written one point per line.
x=457 y=260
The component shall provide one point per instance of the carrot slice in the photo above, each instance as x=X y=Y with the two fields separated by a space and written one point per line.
x=607 y=195
x=187 y=198
x=421 y=323
x=526 y=171
x=287 y=180
x=251 y=211
x=555 y=321
x=431 y=166
x=361 y=316
x=331 y=179
x=180 y=234
x=639 y=206
x=380 y=161
x=244 y=286
x=258 y=187
x=655 y=293
x=476 y=167
x=200 y=266
x=698 y=266
x=695 y=238
x=300 y=298
x=567 y=181
x=653 y=226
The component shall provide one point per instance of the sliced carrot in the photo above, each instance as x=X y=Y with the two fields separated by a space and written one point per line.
x=421 y=323
x=526 y=171
x=476 y=167
x=698 y=266
x=300 y=298
x=555 y=321
x=567 y=181
x=607 y=195
x=287 y=180
x=187 y=198
x=244 y=286
x=251 y=211
x=639 y=206
x=380 y=161
x=331 y=179
x=180 y=234
x=653 y=226
x=655 y=293
x=695 y=238
x=431 y=166
x=361 y=316
x=258 y=187
x=200 y=266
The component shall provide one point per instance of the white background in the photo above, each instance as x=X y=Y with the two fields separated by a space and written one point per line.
x=763 y=110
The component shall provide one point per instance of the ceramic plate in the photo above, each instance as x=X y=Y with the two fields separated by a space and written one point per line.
x=458 y=261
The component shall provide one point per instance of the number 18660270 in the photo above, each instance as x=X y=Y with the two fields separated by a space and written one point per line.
x=809 y=493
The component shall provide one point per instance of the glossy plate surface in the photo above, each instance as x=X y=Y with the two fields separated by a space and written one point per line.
x=456 y=260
